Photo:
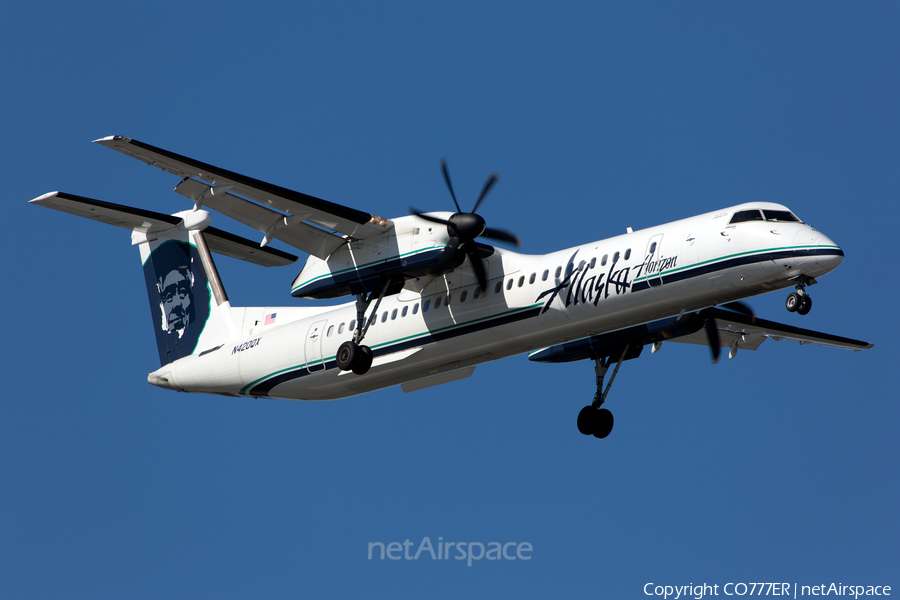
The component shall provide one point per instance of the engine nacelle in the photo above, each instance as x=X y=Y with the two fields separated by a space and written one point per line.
x=405 y=252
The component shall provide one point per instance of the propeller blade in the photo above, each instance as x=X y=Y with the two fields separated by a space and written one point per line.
x=447 y=258
x=712 y=334
x=502 y=235
x=471 y=251
x=740 y=307
x=487 y=186
x=421 y=215
x=449 y=185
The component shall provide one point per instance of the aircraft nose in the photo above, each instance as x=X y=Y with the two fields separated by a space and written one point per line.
x=828 y=254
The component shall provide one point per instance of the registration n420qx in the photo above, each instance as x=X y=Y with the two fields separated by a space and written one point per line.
x=429 y=300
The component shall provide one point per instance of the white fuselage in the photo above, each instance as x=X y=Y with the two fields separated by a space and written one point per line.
x=439 y=325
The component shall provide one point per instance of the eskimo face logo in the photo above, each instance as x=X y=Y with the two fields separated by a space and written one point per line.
x=179 y=298
x=176 y=290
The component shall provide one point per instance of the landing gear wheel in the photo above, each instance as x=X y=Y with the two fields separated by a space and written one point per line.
x=805 y=305
x=793 y=302
x=586 y=419
x=594 y=421
x=347 y=355
x=353 y=357
x=603 y=423
x=363 y=360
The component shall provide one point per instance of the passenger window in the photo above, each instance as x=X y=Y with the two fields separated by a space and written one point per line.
x=340 y=329
x=405 y=310
x=653 y=248
x=531 y=279
x=426 y=306
x=437 y=303
x=462 y=297
x=393 y=314
x=615 y=257
x=415 y=308
x=498 y=287
x=593 y=262
x=477 y=292
x=521 y=280
x=545 y=275
x=384 y=317
x=603 y=260
x=330 y=331
x=628 y=254
x=558 y=271
x=449 y=298
x=742 y=216
x=509 y=284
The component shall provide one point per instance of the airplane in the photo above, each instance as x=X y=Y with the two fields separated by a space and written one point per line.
x=432 y=301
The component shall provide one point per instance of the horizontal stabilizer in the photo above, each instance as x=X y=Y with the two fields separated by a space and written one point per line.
x=150 y=223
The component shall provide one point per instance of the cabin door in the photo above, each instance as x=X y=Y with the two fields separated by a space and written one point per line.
x=314 y=339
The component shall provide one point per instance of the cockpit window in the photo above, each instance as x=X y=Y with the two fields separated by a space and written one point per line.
x=780 y=215
x=743 y=216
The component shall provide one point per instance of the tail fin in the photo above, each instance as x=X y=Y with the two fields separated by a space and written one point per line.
x=188 y=303
x=182 y=304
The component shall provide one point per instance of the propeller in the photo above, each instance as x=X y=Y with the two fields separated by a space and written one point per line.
x=709 y=324
x=463 y=228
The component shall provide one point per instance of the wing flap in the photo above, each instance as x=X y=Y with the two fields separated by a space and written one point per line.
x=343 y=219
x=271 y=223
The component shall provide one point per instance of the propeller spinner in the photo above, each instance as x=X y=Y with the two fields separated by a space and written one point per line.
x=463 y=228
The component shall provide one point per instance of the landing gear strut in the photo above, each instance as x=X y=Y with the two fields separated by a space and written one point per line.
x=351 y=356
x=593 y=420
x=800 y=301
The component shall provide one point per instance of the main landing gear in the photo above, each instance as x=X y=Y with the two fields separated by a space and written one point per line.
x=800 y=301
x=593 y=420
x=351 y=355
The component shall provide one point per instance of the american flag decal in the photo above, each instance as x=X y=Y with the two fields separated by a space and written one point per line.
x=269 y=319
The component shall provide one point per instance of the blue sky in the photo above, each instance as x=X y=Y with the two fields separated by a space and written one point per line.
x=779 y=465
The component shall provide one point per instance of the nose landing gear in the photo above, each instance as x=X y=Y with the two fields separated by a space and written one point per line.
x=800 y=301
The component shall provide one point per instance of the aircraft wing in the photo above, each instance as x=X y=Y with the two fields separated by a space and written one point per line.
x=149 y=222
x=748 y=333
x=308 y=223
x=736 y=331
